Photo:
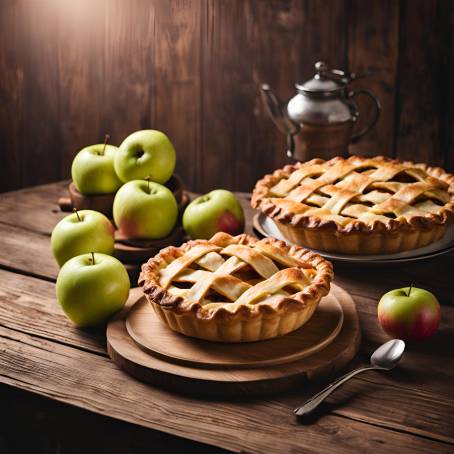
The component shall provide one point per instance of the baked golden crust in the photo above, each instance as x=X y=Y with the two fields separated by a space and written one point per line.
x=347 y=206
x=269 y=314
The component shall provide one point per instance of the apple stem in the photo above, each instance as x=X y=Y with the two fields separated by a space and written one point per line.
x=409 y=290
x=77 y=214
x=148 y=183
x=106 y=139
x=93 y=257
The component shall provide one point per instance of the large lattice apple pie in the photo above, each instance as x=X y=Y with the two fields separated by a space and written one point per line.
x=235 y=288
x=358 y=205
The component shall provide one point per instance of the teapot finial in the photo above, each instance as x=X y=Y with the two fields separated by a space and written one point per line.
x=321 y=67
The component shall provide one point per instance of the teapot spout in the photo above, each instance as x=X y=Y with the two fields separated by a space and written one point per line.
x=277 y=111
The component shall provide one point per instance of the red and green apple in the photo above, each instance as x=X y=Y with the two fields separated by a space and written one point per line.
x=81 y=232
x=91 y=288
x=217 y=211
x=93 y=170
x=144 y=209
x=409 y=313
x=146 y=153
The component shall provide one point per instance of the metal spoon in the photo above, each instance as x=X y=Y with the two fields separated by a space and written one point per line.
x=385 y=357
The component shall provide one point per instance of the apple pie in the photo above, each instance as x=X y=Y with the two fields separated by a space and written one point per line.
x=358 y=205
x=235 y=288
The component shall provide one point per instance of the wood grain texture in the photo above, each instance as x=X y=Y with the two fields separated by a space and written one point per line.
x=69 y=73
x=29 y=305
x=80 y=76
x=176 y=87
x=11 y=88
x=226 y=95
x=27 y=251
x=34 y=209
x=447 y=41
x=127 y=57
x=373 y=47
x=422 y=69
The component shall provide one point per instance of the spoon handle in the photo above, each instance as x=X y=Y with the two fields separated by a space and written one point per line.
x=310 y=405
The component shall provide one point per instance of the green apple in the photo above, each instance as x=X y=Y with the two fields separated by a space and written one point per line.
x=81 y=232
x=144 y=209
x=93 y=170
x=217 y=211
x=147 y=153
x=409 y=313
x=91 y=288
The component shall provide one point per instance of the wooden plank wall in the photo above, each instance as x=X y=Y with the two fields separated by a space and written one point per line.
x=72 y=71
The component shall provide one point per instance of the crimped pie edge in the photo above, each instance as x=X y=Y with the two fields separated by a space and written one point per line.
x=319 y=287
x=261 y=201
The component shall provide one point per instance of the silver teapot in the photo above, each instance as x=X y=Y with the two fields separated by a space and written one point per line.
x=319 y=120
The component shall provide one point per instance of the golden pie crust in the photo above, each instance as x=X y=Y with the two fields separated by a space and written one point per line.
x=358 y=205
x=235 y=288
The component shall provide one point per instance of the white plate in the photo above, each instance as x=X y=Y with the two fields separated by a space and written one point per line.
x=266 y=226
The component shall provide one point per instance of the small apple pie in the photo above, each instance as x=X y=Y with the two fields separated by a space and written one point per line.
x=235 y=288
x=358 y=205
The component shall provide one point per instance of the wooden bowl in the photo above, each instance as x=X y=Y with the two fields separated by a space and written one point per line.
x=138 y=251
x=104 y=202
x=101 y=202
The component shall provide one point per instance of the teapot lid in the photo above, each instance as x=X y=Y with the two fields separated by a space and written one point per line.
x=324 y=83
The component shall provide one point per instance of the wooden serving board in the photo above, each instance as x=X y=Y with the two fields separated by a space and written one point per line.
x=150 y=351
x=153 y=336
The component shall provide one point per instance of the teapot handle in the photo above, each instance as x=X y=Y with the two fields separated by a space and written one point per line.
x=377 y=109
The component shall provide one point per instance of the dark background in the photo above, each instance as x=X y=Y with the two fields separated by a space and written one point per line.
x=71 y=71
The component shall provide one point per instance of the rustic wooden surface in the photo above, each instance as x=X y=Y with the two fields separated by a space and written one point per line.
x=406 y=410
x=72 y=71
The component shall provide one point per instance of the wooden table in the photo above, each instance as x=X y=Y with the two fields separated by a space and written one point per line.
x=407 y=410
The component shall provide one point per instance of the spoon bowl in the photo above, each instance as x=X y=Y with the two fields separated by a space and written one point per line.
x=388 y=355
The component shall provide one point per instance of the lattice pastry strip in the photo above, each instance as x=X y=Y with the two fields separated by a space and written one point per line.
x=259 y=262
x=404 y=197
x=211 y=261
x=288 y=277
x=221 y=280
x=179 y=264
x=286 y=185
x=218 y=274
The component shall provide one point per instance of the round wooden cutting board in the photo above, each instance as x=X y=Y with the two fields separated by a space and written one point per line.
x=150 y=351
x=156 y=338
